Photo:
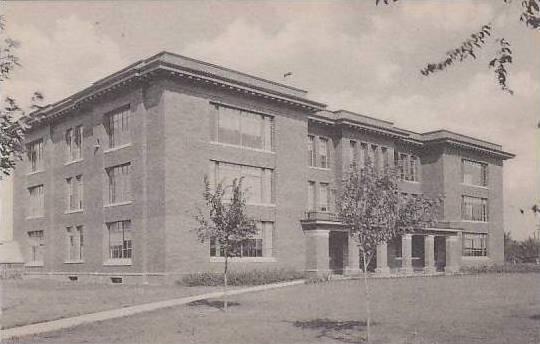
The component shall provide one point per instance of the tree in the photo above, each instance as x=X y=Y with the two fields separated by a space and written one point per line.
x=224 y=222
x=529 y=16
x=371 y=206
x=11 y=129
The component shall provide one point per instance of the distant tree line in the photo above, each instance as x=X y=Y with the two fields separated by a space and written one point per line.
x=526 y=251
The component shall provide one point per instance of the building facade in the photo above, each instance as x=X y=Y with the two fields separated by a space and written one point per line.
x=114 y=175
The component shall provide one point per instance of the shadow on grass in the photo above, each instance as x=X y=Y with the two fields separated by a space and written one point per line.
x=535 y=317
x=213 y=303
x=351 y=331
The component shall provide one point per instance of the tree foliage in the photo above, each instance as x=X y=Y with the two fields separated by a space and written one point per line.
x=529 y=15
x=527 y=251
x=224 y=220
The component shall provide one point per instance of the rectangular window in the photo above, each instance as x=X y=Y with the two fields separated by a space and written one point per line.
x=311 y=196
x=36 y=206
x=74 y=193
x=120 y=243
x=413 y=168
x=260 y=245
x=474 y=173
x=119 y=183
x=474 y=244
x=311 y=150
x=74 y=143
x=37 y=243
x=35 y=155
x=244 y=128
x=74 y=243
x=385 y=163
x=404 y=166
x=258 y=183
x=363 y=154
x=474 y=209
x=352 y=155
x=374 y=157
x=323 y=197
x=117 y=125
x=324 y=152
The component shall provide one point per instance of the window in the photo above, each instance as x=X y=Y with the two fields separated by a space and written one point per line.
x=474 y=173
x=119 y=183
x=474 y=209
x=474 y=244
x=311 y=196
x=323 y=197
x=244 y=128
x=374 y=157
x=352 y=158
x=324 y=152
x=74 y=143
x=120 y=244
x=74 y=243
x=311 y=150
x=74 y=193
x=36 y=204
x=413 y=168
x=407 y=165
x=257 y=183
x=35 y=155
x=363 y=154
x=117 y=127
x=385 y=159
x=36 y=242
x=260 y=245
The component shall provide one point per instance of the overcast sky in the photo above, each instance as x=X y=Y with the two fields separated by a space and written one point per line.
x=350 y=55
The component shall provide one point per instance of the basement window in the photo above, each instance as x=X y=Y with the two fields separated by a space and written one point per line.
x=116 y=280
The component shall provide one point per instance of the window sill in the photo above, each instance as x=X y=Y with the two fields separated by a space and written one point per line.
x=74 y=211
x=320 y=168
x=473 y=221
x=476 y=257
x=410 y=181
x=270 y=205
x=34 y=217
x=31 y=173
x=73 y=261
x=71 y=162
x=34 y=264
x=241 y=147
x=475 y=186
x=117 y=204
x=244 y=259
x=113 y=149
x=117 y=262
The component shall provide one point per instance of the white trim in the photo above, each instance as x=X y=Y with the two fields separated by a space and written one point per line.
x=475 y=257
x=77 y=261
x=35 y=172
x=34 y=264
x=320 y=168
x=73 y=161
x=472 y=221
x=117 y=204
x=118 y=262
x=73 y=211
x=244 y=259
x=241 y=147
x=475 y=186
x=34 y=217
x=113 y=149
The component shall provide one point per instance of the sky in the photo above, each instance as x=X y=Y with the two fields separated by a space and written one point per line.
x=348 y=54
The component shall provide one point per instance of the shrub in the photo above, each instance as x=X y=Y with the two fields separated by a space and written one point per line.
x=238 y=278
x=507 y=268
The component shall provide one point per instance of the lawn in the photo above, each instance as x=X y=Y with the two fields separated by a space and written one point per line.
x=487 y=308
x=36 y=300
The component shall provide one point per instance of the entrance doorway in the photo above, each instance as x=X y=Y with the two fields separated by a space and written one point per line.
x=338 y=251
x=440 y=253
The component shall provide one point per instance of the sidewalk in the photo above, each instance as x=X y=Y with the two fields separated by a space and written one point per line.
x=60 y=324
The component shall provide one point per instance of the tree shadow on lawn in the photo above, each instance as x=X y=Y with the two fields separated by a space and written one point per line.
x=343 y=331
x=213 y=303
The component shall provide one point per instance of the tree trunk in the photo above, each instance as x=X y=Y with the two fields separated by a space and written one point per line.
x=225 y=284
x=366 y=286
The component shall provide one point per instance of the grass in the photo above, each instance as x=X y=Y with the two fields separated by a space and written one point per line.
x=472 y=309
x=506 y=268
x=36 y=300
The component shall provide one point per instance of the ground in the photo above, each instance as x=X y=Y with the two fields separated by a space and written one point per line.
x=488 y=308
x=36 y=300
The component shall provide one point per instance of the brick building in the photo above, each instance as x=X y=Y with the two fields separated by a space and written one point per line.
x=114 y=174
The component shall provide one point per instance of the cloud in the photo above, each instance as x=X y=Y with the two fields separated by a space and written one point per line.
x=62 y=61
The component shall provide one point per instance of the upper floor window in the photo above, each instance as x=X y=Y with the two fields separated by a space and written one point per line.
x=324 y=152
x=260 y=245
x=311 y=196
x=311 y=150
x=352 y=154
x=385 y=160
x=120 y=242
x=35 y=155
x=36 y=207
x=74 y=143
x=257 y=182
x=324 y=194
x=74 y=243
x=474 y=209
x=407 y=165
x=37 y=243
x=363 y=154
x=474 y=244
x=474 y=173
x=119 y=183
x=117 y=125
x=244 y=128
x=74 y=193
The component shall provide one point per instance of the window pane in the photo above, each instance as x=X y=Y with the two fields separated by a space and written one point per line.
x=323 y=152
x=311 y=196
x=252 y=130
x=229 y=126
x=311 y=150
x=323 y=197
